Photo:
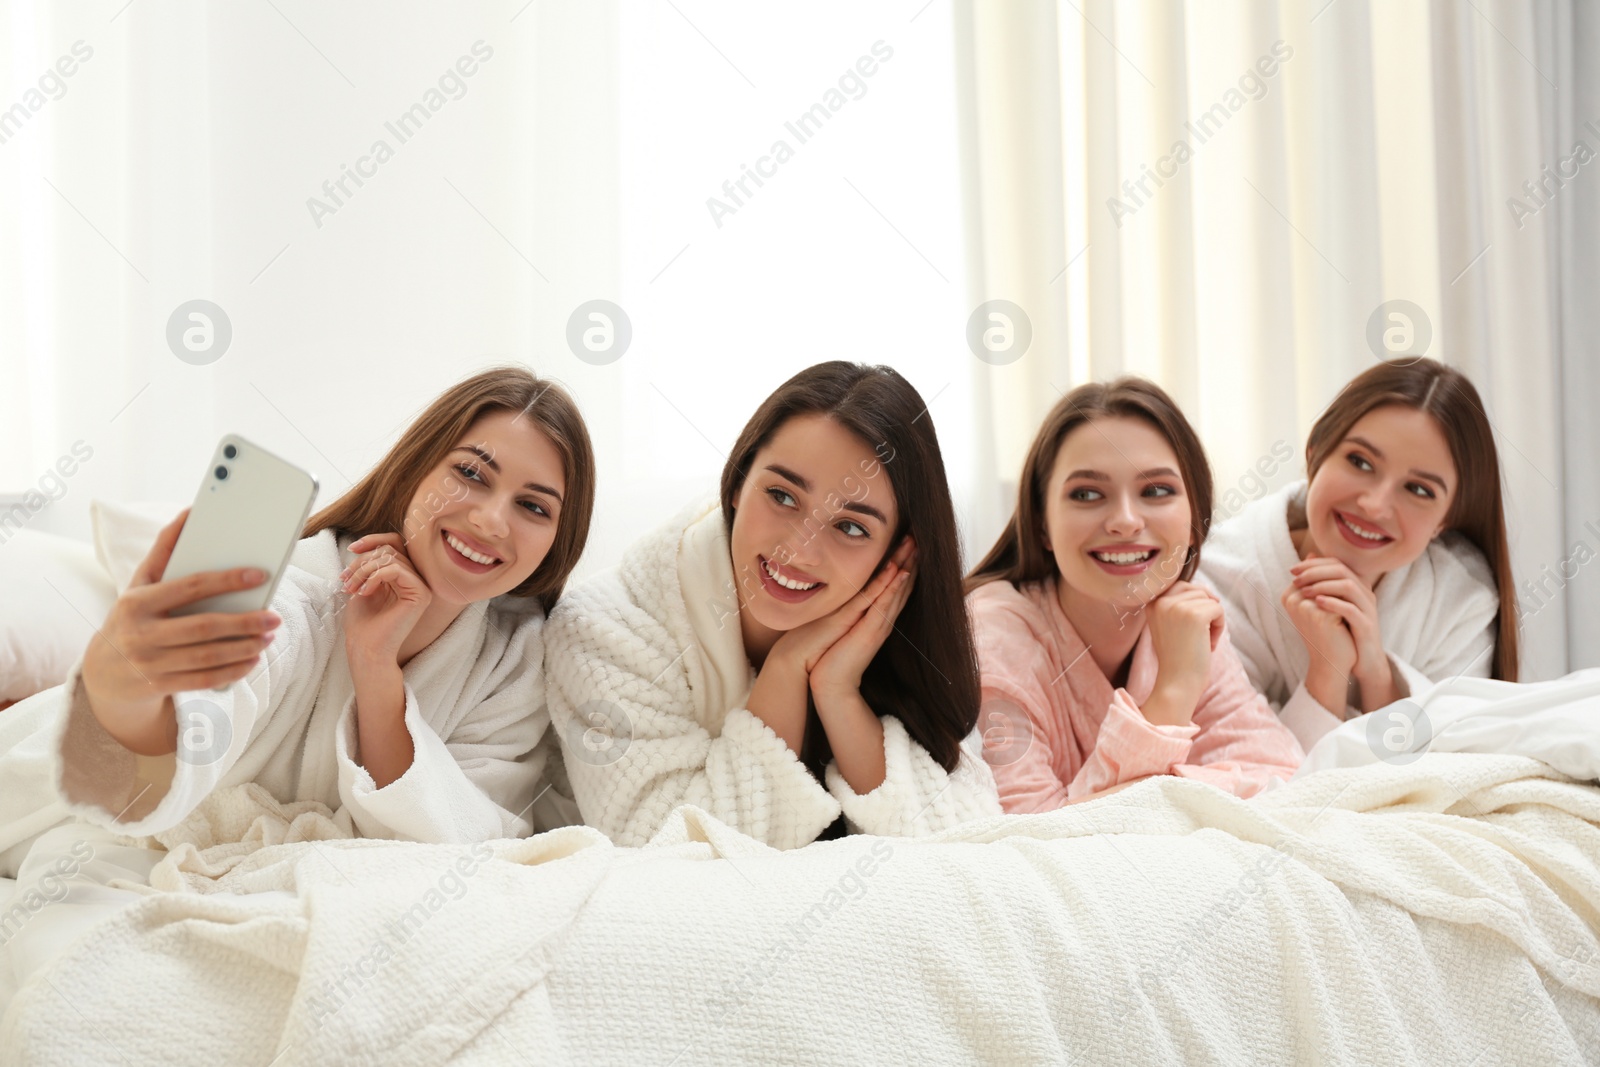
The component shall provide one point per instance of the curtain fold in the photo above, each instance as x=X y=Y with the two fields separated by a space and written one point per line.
x=1257 y=180
x=1571 y=33
x=182 y=161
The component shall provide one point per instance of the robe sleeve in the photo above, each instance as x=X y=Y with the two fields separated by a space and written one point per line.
x=106 y=784
x=917 y=795
x=476 y=784
x=1307 y=719
x=1233 y=741
x=1017 y=716
x=1130 y=746
x=634 y=748
x=1243 y=747
x=1018 y=744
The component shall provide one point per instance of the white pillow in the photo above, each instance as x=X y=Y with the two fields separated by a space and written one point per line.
x=124 y=532
x=56 y=596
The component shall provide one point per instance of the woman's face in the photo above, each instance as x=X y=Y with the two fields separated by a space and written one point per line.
x=496 y=494
x=812 y=521
x=1117 y=512
x=1383 y=493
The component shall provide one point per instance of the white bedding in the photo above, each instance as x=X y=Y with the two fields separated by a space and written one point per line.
x=1440 y=912
x=1556 y=721
x=8 y=984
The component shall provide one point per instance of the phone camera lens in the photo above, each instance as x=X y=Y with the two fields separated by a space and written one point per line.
x=222 y=472
x=230 y=451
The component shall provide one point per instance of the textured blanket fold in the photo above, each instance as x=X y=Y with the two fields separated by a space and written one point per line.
x=1439 y=912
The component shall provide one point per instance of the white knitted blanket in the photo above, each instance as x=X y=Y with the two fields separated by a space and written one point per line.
x=1441 y=912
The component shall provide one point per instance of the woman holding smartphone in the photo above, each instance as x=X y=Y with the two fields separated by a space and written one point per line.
x=396 y=677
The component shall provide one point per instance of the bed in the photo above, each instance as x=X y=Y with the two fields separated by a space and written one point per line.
x=1436 y=909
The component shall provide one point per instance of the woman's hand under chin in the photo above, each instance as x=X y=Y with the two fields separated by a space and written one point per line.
x=1335 y=589
x=1185 y=625
x=840 y=668
x=387 y=598
x=1330 y=645
x=834 y=651
x=827 y=657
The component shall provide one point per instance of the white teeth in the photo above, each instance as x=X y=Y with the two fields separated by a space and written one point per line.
x=1353 y=528
x=798 y=587
x=476 y=557
x=1123 y=558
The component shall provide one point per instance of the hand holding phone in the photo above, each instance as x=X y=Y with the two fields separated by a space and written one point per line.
x=193 y=617
x=144 y=653
x=249 y=512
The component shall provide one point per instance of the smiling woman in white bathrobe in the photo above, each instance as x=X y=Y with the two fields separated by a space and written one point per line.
x=396 y=678
x=793 y=656
x=1386 y=573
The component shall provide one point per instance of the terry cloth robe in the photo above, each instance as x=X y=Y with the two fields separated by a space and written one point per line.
x=1055 y=729
x=648 y=682
x=474 y=710
x=1437 y=615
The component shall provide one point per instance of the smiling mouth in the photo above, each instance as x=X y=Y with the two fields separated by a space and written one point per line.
x=467 y=553
x=1365 y=535
x=788 y=583
x=1123 y=559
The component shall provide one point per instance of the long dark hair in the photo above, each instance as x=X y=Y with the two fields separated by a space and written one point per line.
x=378 y=502
x=1020 y=555
x=926 y=673
x=1477 y=511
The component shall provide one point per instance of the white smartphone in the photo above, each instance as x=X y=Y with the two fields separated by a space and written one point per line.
x=250 y=511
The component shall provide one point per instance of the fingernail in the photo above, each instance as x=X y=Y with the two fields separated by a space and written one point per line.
x=254 y=574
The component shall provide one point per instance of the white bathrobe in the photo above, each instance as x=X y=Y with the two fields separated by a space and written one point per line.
x=1436 y=615
x=648 y=682
x=474 y=710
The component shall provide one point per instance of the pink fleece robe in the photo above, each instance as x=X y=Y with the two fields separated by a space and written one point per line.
x=1056 y=730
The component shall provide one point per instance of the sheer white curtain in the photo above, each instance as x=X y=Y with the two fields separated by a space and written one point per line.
x=183 y=162
x=577 y=163
x=1373 y=162
x=1571 y=40
x=1220 y=196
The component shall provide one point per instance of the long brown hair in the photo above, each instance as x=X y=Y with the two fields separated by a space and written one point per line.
x=1020 y=555
x=378 y=502
x=926 y=673
x=1477 y=511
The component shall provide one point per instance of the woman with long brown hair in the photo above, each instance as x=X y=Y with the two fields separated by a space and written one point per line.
x=790 y=655
x=403 y=686
x=1388 y=569
x=1102 y=663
